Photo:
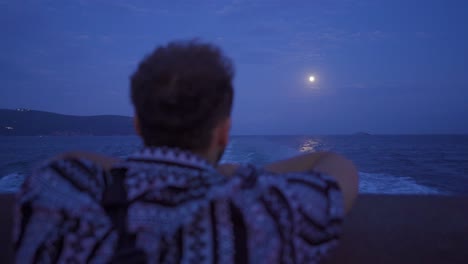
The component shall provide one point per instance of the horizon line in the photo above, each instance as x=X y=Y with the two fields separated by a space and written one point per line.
x=357 y=133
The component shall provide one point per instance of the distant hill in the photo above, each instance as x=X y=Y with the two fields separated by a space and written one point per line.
x=362 y=134
x=25 y=122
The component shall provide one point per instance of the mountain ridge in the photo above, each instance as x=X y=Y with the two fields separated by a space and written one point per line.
x=26 y=122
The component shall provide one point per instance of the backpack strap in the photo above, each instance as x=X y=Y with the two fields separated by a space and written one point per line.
x=116 y=206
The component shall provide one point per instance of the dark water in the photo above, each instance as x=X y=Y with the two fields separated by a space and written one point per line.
x=387 y=164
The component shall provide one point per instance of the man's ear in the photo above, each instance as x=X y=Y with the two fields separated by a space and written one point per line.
x=136 y=125
x=223 y=132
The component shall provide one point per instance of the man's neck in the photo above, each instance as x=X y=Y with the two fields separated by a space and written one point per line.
x=211 y=159
x=209 y=156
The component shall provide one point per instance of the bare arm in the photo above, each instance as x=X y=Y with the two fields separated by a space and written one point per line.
x=340 y=168
x=105 y=162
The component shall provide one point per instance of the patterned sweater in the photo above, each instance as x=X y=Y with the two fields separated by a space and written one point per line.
x=178 y=209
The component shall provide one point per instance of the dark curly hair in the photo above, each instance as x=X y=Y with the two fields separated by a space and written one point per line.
x=180 y=92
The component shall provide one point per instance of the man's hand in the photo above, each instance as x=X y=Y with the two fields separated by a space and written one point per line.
x=340 y=168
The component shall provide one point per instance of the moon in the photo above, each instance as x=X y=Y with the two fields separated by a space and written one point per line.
x=311 y=78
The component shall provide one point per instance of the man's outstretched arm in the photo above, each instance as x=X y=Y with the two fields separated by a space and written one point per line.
x=106 y=162
x=340 y=168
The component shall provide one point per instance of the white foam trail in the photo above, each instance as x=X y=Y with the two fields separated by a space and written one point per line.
x=11 y=183
x=378 y=183
x=371 y=183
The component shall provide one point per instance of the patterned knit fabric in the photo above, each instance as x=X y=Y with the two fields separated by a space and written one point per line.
x=181 y=211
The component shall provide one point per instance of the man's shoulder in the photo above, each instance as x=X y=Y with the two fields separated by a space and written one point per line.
x=70 y=164
x=81 y=175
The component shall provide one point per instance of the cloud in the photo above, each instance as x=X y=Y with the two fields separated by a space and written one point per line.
x=332 y=35
x=269 y=55
x=105 y=38
x=131 y=6
x=244 y=7
x=81 y=37
x=422 y=34
x=74 y=39
x=127 y=5
x=229 y=8
x=264 y=30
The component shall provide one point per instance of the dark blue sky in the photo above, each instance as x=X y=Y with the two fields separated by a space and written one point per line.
x=398 y=66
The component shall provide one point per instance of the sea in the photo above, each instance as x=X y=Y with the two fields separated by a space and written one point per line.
x=388 y=164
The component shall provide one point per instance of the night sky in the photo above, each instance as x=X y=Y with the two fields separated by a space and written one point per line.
x=386 y=67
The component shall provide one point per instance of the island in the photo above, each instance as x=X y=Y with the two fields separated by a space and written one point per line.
x=362 y=134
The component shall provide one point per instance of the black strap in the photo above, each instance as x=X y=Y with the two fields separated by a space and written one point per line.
x=116 y=206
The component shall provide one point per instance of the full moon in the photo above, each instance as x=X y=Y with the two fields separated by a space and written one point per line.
x=311 y=78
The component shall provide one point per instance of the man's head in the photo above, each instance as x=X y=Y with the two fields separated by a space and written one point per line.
x=182 y=94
